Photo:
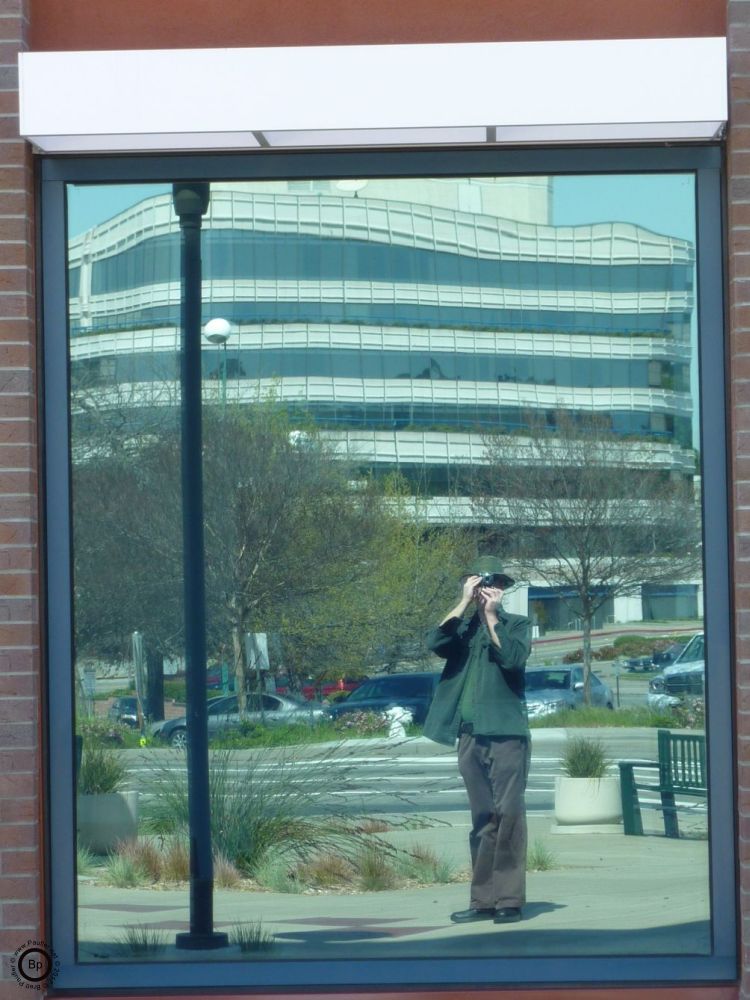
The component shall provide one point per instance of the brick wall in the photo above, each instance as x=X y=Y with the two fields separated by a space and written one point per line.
x=19 y=632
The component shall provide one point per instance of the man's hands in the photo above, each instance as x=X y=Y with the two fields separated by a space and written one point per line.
x=487 y=600
x=471 y=588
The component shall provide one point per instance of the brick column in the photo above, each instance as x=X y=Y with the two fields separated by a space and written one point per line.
x=19 y=587
x=738 y=168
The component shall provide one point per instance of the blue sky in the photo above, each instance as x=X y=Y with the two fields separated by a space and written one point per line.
x=90 y=204
x=660 y=202
x=664 y=203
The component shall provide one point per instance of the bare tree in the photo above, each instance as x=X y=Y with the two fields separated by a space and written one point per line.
x=345 y=572
x=287 y=539
x=590 y=512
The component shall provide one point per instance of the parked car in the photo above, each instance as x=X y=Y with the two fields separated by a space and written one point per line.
x=552 y=689
x=323 y=689
x=686 y=677
x=124 y=710
x=223 y=715
x=640 y=663
x=413 y=691
x=663 y=657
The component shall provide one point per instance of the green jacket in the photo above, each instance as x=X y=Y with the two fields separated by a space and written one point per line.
x=499 y=706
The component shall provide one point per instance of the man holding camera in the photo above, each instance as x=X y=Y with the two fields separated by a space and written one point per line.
x=480 y=701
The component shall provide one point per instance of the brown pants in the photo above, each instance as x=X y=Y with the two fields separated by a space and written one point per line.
x=495 y=771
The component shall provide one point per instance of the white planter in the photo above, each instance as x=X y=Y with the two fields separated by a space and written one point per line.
x=102 y=820
x=587 y=805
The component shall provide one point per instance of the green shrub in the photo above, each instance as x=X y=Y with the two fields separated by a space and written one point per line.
x=226 y=874
x=273 y=872
x=423 y=865
x=100 y=730
x=623 y=642
x=594 y=717
x=643 y=645
x=258 y=805
x=361 y=724
x=605 y=653
x=600 y=653
x=574 y=656
x=123 y=872
x=540 y=858
x=85 y=861
x=584 y=758
x=689 y=714
x=250 y=734
x=251 y=937
x=102 y=771
x=116 y=693
x=175 y=861
x=175 y=691
x=144 y=855
x=375 y=870
x=325 y=870
x=142 y=940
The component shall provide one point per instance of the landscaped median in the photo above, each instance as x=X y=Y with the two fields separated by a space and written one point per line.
x=273 y=827
x=372 y=725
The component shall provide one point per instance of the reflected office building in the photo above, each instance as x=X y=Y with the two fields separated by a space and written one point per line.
x=408 y=318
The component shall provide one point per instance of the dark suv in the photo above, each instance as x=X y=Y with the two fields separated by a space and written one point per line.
x=685 y=678
x=412 y=691
x=124 y=710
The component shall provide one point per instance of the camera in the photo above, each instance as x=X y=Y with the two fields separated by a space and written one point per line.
x=487 y=579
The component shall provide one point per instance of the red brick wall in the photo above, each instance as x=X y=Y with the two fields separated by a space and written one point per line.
x=113 y=24
x=738 y=167
x=19 y=582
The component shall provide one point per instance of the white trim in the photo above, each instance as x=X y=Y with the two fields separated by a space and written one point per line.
x=373 y=95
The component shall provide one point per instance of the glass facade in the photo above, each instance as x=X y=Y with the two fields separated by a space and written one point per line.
x=413 y=371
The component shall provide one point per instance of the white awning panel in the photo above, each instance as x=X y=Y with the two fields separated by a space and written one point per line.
x=374 y=95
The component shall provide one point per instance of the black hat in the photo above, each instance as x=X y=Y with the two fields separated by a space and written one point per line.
x=493 y=565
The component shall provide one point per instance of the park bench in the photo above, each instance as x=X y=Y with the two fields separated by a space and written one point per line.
x=681 y=771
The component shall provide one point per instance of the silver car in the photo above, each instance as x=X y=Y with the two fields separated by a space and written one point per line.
x=552 y=689
x=223 y=715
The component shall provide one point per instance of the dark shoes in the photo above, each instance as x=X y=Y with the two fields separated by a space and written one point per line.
x=466 y=916
x=504 y=915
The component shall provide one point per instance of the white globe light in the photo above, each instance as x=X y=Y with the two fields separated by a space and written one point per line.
x=217 y=331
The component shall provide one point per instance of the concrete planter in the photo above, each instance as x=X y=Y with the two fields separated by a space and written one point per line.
x=587 y=805
x=102 y=820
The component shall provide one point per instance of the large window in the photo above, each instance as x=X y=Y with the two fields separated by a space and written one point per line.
x=415 y=359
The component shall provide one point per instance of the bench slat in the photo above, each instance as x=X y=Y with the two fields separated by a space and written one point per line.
x=682 y=769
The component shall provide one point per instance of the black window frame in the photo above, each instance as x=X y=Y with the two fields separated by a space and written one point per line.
x=214 y=976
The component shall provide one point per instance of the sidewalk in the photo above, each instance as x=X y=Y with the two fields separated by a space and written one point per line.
x=608 y=894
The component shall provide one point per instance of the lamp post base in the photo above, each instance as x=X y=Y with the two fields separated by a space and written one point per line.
x=191 y=941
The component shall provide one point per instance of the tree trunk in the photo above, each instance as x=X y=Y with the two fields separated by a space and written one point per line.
x=240 y=685
x=587 y=660
x=154 y=685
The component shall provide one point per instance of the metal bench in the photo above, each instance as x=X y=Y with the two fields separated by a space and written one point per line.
x=681 y=771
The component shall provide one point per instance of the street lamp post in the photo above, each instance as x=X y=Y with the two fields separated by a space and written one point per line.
x=217 y=331
x=190 y=201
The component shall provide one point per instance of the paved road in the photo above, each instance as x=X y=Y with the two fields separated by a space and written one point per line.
x=372 y=778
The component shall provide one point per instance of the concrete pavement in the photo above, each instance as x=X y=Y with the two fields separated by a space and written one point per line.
x=607 y=894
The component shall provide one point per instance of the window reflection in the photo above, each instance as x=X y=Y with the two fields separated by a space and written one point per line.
x=390 y=346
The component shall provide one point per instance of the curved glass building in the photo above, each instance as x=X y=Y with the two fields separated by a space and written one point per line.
x=407 y=317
